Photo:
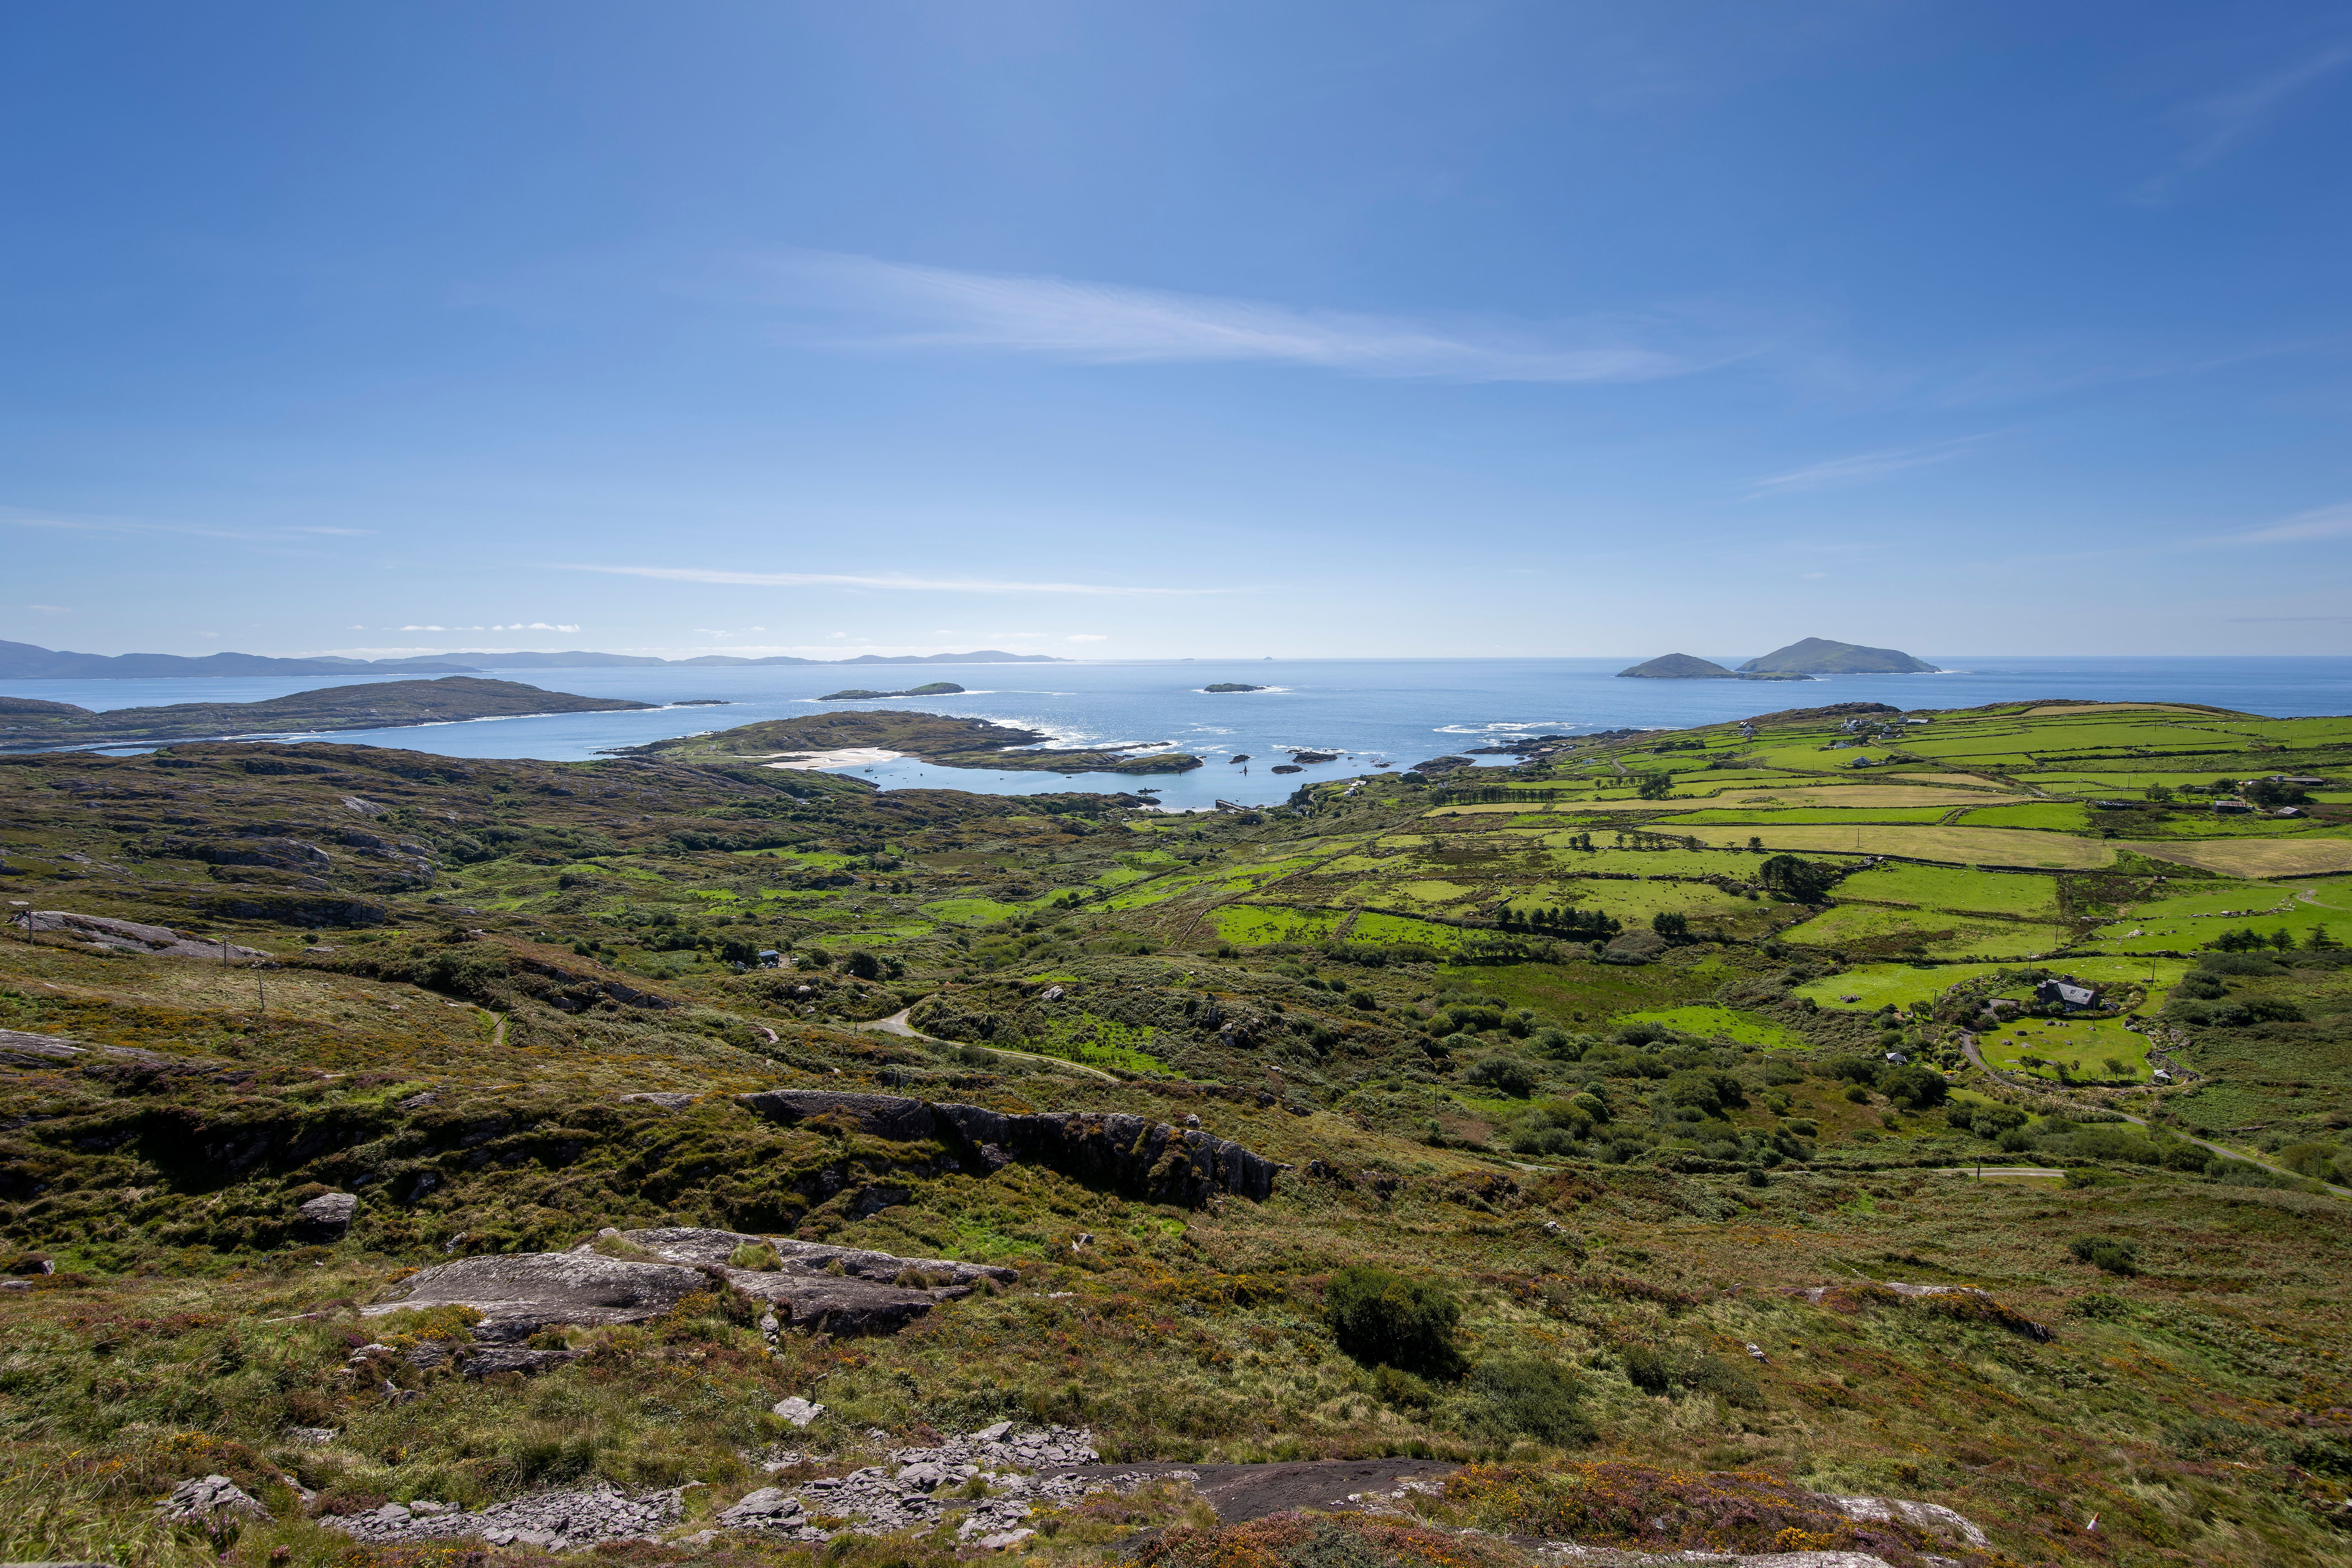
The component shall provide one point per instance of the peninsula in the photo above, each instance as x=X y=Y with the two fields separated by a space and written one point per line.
x=871 y=736
x=28 y=725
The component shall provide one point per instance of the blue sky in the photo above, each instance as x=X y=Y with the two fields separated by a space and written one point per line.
x=1119 y=330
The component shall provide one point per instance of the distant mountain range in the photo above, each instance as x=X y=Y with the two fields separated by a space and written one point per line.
x=24 y=661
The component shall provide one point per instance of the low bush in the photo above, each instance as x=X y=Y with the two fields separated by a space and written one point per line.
x=2106 y=1253
x=1383 y=1319
x=1530 y=1397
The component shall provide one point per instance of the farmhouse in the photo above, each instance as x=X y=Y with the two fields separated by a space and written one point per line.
x=2066 y=993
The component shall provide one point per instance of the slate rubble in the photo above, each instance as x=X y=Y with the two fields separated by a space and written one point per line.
x=913 y=1489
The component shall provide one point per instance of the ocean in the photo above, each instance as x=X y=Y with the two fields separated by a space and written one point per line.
x=1368 y=711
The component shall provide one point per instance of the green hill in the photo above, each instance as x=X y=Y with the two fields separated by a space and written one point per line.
x=1819 y=655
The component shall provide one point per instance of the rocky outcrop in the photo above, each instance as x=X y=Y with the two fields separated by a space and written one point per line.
x=130 y=936
x=518 y=1295
x=1964 y=1301
x=822 y=1288
x=325 y=1218
x=920 y=1487
x=807 y=1285
x=215 y=1503
x=551 y=1521
x=1150 y=1159
x=914 y=1488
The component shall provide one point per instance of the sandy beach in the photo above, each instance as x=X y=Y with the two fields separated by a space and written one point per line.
x=846 y=757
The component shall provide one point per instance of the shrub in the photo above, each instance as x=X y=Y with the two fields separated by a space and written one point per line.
x=1646 y=1370
x=863 y=965
x=1535 y=1397
x=1644 y=1033
x=1402 y=1388
x=2104 y=1254
x=1505 y=1075
x=2103 y=1306
x=1915 y=1087
x=1383 y=1319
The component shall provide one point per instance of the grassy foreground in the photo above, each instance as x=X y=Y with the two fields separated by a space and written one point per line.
x=1623 y=1089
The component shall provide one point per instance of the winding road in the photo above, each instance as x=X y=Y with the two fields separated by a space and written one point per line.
x=1969 y=1045
x=896 y=1023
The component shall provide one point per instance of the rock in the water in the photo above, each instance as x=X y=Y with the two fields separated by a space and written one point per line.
x=211 y=1503
x=796 y=1410
x=521 y=1294
x=325 y=1217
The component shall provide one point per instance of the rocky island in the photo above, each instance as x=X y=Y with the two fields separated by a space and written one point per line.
x=935 y=688
x=1223 y=686
x=1820 y=656
x=29 y=725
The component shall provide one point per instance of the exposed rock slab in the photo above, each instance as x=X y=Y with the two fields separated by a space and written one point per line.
x=130 y=936
x=863 y=1297
x=519 y=1295
x=1163 y=1164
x=814 y=1287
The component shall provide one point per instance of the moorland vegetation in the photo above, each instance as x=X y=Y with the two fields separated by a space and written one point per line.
x=1680 y=1133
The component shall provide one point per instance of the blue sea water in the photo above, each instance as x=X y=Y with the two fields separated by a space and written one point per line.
x=1401 y=711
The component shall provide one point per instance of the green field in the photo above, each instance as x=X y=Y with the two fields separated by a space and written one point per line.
x=2048 y=815
x=1929 y=933
x=1727 y=815
x=1256 y=924
x=1957 y=888
x=1714 y=1023
x=1962 y=845
x=2085 y=1047
x=1875 y=986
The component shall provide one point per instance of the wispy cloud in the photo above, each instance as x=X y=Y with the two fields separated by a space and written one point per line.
x=2218 y=126
x=888 y=584
x=1088 y=636
x=908 y=306
x=1859 y=469
x=2320 y=523
x=512 y=626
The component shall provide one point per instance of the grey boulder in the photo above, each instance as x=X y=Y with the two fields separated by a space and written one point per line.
x=325 y=1217
x=210 y=1503
x=519 y=1295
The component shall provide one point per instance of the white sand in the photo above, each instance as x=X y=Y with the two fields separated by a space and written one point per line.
x=846 y=757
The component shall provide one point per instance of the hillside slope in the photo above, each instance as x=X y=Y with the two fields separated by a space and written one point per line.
x=1610 y=1074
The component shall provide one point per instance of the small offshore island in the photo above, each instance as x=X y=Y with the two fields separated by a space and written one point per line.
x=1223 y=686
x=935 y=688
x=1804 y=660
